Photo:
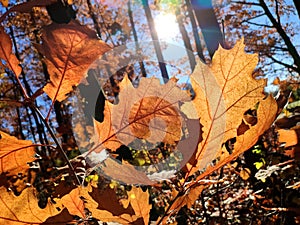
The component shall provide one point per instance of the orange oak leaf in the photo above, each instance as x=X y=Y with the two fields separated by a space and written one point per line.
x=24 y=209
x=225 y=90
x=139 y=201
x=15 y=154
x=73 y=203
x=93 y=201
x=69 y=50
x=6 y=53
x=150 y=112
x=4 y=3
x=289 y=137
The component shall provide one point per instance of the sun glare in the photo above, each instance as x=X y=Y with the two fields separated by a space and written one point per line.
x=166 y=26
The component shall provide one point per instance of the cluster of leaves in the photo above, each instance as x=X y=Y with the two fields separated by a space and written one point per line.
x=226 y=117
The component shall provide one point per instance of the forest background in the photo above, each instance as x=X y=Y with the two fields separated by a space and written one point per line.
x=55 y=114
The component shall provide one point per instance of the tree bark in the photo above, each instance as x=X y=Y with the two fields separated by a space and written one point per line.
x=142 y=66
x=160 y=58
x=186 y=40
x=297 y=5
x=208 y=23
x=195 y=30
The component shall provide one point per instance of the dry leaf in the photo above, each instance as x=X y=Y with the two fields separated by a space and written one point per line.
x=6 y=53
x=245 y=173
x=112 y=211
x=139 y=201
x=148 y=112
x=187 y=199
x=124 y=173
x=15 y=154
x=24 y=209
x=4 y=3
x=289 y=137
x=73 y=203
x=26 y=7
x=266 y=114
x=225 y=90
x=69 y=50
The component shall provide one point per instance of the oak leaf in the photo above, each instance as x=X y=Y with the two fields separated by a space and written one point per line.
x=225 y=90
x=15 y=154
x=4 y=3
x=139 y=201
x=289 y=137
x=125 y=173
x=81 y=198
x=73 y=203
x=24 y=209
x=69 y=50
x=150 y=112
x=6 y=53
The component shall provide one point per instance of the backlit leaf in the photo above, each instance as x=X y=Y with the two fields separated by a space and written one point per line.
x=4 y=3
x=69 y=50
x=15 y=154
x=6 y=53
x=24 y=209
x=139 y=200
x=73 y=203
x=142 y=113
x=225 y=90
x=103 y=205
x=25 y=7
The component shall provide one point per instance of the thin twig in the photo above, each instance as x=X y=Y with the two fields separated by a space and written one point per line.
x=60 y=149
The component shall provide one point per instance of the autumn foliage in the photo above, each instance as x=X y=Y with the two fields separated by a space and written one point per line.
x=199 y=135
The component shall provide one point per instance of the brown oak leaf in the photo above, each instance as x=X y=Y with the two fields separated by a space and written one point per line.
x=150 y=111
x=6 y=53
x=81 y=197
x=69 y=50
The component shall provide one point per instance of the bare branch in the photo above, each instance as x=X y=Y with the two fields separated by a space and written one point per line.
x=282 y=63
x=246 y=3
x=257 y=24
x=292 y=50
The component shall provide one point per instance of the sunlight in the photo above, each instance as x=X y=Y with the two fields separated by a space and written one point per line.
x=166 y=26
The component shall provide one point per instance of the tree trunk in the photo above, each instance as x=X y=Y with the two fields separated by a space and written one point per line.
x=142 y=66
x=297 y=5
x=195 y=30
x=162 y=64
x=208 y=23
x=186 y=40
